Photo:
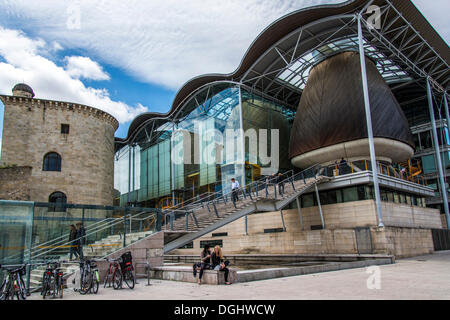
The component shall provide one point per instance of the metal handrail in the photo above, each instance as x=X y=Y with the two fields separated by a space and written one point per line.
x=72 y=241
x=194 y=206
x=254 y=185
x=388 y=168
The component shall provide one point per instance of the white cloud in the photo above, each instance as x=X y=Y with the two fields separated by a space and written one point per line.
x=84 y=67
x=25 y=58
x=165 y=42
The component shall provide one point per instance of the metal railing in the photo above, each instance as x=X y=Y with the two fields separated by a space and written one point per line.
x=257 y=189
x=340 y=169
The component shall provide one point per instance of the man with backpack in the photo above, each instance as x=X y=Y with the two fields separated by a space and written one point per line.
x=81 y=238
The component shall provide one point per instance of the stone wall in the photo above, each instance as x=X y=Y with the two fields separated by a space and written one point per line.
x=444 y=221
x=402 y=242
x=32 y=128
x=15 y=183
x=339 y=236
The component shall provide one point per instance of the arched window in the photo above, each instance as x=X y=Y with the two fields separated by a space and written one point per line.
x=52 y=162
x=59 y=199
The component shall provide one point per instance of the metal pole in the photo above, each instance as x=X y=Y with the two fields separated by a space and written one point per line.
x=243 y=137
x=129 y=175
x=172 y=167
x=300 y=213
x=320 y=207
x=282 y=220
x=447 y=116
x=246 y=225
x=438 y=152
x=373 y=159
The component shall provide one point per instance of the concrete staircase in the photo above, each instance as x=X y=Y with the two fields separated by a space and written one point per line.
x=207 y=219
x=97 y=250
x=200 y=220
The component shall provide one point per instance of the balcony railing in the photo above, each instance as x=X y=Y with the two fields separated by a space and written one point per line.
x=340 y=169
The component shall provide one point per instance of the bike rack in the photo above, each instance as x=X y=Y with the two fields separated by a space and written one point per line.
x=146 y=274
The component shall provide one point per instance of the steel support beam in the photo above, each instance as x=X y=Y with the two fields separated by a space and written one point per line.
x=246 y=226
x=299 y=209
x=282 y=220
x=369 y=124
x=320 y=206
x=438 y=152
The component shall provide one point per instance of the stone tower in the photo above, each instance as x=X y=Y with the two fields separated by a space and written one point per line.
x=70 y=147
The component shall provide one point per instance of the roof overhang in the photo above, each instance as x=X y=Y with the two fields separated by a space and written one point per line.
x=405 y=39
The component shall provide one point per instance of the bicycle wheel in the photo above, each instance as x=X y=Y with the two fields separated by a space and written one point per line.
x=21 y=287
x=60 y=287
x=49 y=286
x=117 y=279
x=95 y=282
x=7 y=290
x=107 y=277
x=3 y=289
x=129 y=278
x=86 y=282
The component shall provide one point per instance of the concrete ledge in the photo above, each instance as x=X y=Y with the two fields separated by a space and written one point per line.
x=185 y=274
x=276 y=259
x=264 y=274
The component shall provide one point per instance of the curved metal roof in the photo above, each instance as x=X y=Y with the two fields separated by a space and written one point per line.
x=405 y=37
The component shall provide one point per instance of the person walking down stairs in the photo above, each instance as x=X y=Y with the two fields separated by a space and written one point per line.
x=81 y=239
x=73 y=244
x=234 y=190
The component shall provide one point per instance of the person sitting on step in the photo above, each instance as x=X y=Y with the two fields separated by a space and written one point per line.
x=218 y=264
x=205 y=257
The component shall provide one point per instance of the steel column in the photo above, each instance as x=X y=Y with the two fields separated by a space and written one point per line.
x=299 y=208
x=447 y=117
x=438 y=152
x=246 y=226
x=242 y=137
x=282 y=220
x=369 y=124
x=320 y=207
x=129 y=175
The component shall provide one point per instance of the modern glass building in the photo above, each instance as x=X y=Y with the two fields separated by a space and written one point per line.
x=190 y=151
x=202 y=148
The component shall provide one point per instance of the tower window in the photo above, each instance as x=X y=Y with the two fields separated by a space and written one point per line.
x=52 y=162
x=65 y=128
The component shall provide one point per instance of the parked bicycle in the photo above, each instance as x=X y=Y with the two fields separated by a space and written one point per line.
x=13 y=285
x=127 y=269
x=89 y=277
x=53 y=280
x=114 y=274
x=120 y=270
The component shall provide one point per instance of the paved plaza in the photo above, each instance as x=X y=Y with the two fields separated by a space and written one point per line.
x=425 y=277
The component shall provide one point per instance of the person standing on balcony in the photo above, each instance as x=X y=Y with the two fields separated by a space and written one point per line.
x=73 y=244
x=81 y=239
x=234 y=190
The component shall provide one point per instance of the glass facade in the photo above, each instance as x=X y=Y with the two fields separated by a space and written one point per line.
x=360 y=193
x=202 y=147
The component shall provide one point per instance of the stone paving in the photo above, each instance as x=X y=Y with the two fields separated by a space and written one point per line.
x=424 y=277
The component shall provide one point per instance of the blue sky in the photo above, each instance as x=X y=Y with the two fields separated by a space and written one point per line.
x=128 y=57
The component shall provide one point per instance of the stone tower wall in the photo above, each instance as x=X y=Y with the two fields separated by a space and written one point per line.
x=32 y=128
